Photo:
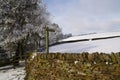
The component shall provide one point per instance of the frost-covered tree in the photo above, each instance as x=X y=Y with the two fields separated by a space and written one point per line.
x=21 y=23
x=57 y=35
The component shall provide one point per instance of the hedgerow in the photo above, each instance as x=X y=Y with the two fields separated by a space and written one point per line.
x=83 y=66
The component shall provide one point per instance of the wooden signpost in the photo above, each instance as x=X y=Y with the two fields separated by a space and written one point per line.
x=47 y=38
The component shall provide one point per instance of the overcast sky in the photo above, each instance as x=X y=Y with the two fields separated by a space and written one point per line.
x=85 y=16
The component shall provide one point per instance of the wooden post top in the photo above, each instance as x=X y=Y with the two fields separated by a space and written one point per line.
x=51 y=30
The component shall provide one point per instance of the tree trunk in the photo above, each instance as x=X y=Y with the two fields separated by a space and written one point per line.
x=16 y=56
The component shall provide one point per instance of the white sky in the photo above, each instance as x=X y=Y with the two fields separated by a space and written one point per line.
x=85 y=16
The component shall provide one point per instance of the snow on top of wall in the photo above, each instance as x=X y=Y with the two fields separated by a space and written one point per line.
x=91 y=36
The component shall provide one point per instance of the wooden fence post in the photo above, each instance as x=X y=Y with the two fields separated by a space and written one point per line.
x=47 y=38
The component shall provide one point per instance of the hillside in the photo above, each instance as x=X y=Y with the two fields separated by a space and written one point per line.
x=102 y=42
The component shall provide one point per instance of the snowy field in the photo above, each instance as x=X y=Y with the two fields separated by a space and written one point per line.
x=103 y=45
x=92 y=36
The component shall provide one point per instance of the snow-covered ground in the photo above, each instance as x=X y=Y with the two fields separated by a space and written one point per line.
x=92 y=36
x=12 y=74
x=103 y=45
